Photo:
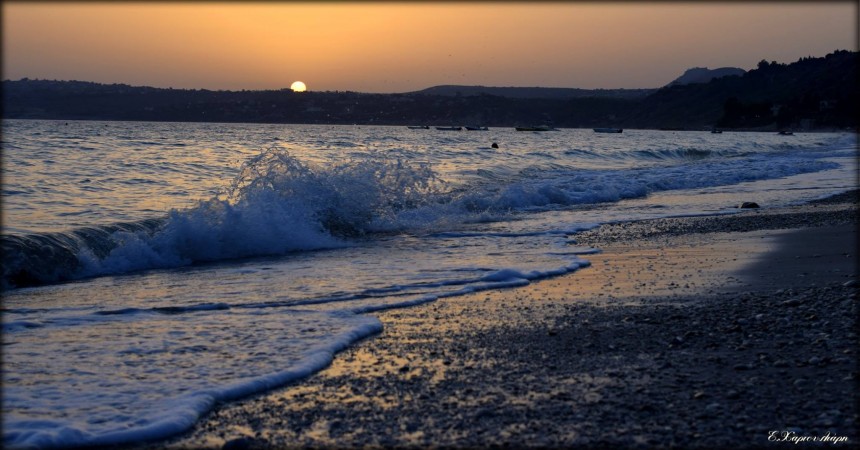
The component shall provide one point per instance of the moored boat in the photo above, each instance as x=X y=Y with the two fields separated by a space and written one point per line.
x=449 y=128
x=537 y=128
x=608 y=130
x=477 y=128
x=418 y=127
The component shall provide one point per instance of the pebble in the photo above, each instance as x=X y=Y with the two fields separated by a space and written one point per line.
x=242 y=443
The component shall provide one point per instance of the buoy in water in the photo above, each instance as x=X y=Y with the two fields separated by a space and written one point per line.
x=495 y=145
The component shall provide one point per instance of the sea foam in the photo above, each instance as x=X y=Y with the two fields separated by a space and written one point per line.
x=280 y=204
x=277 y=204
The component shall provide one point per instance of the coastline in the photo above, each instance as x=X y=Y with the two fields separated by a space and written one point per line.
x=509 y=127
x=697 y=332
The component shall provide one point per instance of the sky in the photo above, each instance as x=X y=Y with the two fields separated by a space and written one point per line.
x=400 y=47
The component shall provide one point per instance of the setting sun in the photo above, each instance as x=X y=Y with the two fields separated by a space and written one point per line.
x=298 y=86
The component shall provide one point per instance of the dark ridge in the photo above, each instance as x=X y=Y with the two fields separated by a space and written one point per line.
x=705 y=75
x=810 y=94
x=534 y=92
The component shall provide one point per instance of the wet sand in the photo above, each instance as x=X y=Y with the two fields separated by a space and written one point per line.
x=689 y=333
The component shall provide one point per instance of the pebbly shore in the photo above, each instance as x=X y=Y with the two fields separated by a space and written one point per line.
x=704 y=332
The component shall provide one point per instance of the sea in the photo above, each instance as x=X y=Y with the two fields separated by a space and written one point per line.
x=153 y=270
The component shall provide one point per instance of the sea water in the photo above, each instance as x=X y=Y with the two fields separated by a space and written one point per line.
x=151 y=270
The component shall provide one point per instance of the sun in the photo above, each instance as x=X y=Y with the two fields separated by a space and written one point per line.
x=298 y=86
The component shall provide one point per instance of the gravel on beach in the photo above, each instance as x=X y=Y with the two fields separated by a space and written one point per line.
x=632 y=352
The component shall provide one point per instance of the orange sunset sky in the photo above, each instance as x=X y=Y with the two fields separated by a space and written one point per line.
x=400 y=47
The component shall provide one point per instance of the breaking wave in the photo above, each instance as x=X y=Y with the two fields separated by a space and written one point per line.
x=280 y=204
x=277 y=204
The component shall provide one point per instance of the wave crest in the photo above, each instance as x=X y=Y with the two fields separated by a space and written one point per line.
x=277 y=204
x=346 y=197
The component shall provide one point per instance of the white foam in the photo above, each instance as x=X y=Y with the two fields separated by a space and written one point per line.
x=145 y=385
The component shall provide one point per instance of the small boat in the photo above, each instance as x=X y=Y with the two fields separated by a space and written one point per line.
x=716 y=131
x=785 y=133
x=477 y=129
x=449 y=128
x=537 y=128
x=608 y=130
x=418 y=127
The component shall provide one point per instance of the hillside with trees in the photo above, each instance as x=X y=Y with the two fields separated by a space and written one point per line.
x=812 y=93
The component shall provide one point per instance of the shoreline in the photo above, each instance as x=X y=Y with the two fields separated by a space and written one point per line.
x=773 y=129
x=704 y=332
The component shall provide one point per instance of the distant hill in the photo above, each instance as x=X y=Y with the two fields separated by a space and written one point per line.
x=534 y=92
x=705 y=75
x=812 y=93
x=809 y=93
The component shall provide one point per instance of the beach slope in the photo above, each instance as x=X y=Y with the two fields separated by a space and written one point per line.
x=696 y=332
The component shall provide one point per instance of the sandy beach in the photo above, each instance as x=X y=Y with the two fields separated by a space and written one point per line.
x=701 y=332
